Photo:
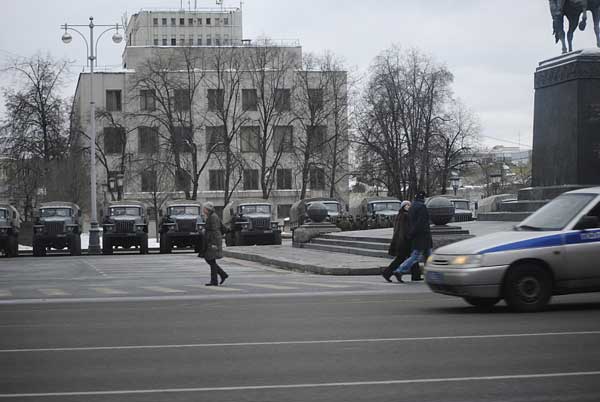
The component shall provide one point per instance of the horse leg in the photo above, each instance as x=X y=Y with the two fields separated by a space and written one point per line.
x=561 y=37
x=573 y=20
x=596 y=15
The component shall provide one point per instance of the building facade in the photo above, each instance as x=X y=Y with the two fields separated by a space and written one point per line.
x=209 y=114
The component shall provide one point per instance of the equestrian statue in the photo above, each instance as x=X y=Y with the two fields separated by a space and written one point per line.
x=573 y=10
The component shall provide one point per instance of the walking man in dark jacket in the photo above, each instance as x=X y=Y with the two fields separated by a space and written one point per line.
x=419 y=234
x=214 y=244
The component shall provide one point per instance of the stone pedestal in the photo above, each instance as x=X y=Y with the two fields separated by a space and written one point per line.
x=305 y=233
x=566 y=139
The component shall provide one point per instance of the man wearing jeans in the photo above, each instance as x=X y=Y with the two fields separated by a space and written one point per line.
x=419 y=234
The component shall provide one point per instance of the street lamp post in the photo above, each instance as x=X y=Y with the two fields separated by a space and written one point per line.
x=455 y=182
x=496 y=178
x=92 y=47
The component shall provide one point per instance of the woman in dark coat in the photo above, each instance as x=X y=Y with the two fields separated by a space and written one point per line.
x=214 y=244
x=400 y=246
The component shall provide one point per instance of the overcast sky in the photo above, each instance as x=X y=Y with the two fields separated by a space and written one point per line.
x=491 y=46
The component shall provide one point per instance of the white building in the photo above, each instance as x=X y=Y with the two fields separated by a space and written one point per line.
x=131 y=127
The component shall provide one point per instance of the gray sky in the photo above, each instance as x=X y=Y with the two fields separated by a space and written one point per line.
x=491 y=46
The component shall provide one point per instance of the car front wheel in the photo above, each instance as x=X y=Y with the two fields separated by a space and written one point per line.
x=527 y=288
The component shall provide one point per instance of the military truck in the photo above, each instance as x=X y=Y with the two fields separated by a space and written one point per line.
x=180 y=226
x=250 y=222
x=125 y=225
x=9 y=230
x=376 y=212
x=462 y=211
x=57 y=225
x=298 y=214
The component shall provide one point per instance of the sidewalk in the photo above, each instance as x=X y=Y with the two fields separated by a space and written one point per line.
x=312 y=261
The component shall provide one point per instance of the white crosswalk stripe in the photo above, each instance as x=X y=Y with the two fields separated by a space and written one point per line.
x=5 y=293
x=267 y=286
x=53 y=292
x=320 y=285
x=216 y=288
x=161 y=289
x=109 y=291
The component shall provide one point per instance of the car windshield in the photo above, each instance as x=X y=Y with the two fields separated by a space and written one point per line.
x=557 y=213
x=183 y=210
x=3 y=213
x=332 y=206
x=125 y=211
x=255 y=209
x=461 y=204
x=52 y=212
x=386 y=206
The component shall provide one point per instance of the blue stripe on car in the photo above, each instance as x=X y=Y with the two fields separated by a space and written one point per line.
x=577 y=237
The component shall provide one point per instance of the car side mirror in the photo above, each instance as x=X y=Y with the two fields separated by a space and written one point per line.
x=588 y=222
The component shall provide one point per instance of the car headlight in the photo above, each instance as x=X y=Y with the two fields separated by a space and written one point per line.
x=170 y=227
x=245 y=226
x=71 y=228
x=39 y=229
x=3 y=230
x=108 y=228
x=140 y=227
x=199 y=227
x=274 y=225
x=464 y=260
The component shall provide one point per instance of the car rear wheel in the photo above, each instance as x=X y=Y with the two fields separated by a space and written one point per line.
x=75 y=248
x=482 y=302
x=527 y=288
x=13 y=247
x=144 y=244
x=165 y=244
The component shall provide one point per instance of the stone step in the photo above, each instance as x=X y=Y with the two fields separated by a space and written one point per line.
x=356 y=238
x=351 y=243
x=347 y=250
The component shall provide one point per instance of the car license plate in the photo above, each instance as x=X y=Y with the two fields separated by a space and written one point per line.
x=434 y=277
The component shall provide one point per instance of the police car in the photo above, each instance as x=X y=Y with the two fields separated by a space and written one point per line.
x=555 y=251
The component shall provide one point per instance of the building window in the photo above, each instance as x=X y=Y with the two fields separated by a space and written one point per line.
x=217 y=21
x=226 y=40
x=147 y=140
x=155 y=41
x=208 y=21
x=165 y=41
x=191 y=40
x=173 y=41
x=199 y=40
x=173 y=21
x=149 y=181
x=182 y=40
x=217 y=40
x=216 y=99
x=182 y=21
x=199 y=21
x=113 y=100
x=283 y=211
x=114 y=140
x=251 y=179
x=182 y=100
x=182 y=138
x=283 y=100
x=164 y=21
x=225 y=21
x=249 y=99
x=208 y=40
x=315 y=138
x=317 y=179
x=190 y=21
x=284 y=179
x=215 y=138
x=250 y=139
x=183 y=181
x=315 y=99
x=155 y=21
x=147 y=100
x=216 y=180
x=282 y=139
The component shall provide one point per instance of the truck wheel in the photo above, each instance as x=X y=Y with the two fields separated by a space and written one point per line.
x=527 y=288
x=277 y=238
x=144 y=244
x=107 y=248
x=75 y=247
x=165 y=244
x=38 y=249
x=238 y=239
x=228 y=240
x=12 y=248
x=482 y=302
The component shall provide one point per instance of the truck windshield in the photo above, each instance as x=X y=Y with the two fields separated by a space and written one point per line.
x=255 y=209
x=52 y=212
x=461 y=204
x=182 y=210
x=557 y=213
x=3 y=213
x=125 y=211
x=386 y=206
x=332 y=206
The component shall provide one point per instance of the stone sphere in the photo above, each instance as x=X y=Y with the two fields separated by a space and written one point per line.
x=317 y=212
x=441 y=210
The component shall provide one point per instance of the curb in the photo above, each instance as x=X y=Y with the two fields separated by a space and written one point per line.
x=299 y=267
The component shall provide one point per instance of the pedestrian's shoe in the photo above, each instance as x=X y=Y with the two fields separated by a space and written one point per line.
x=387 y=274
x=223 y=279
x=416 y=278
x=211 y=284
x=399 y=277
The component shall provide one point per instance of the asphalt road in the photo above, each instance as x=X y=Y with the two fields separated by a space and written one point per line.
x=365 y=341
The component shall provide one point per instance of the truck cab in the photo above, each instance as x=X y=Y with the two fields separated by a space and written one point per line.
x=298 y=215
x=250 y=222
x=125 y=225
x=377 y=212
x=57 y=226
x=181 y=226
x=9 y=230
